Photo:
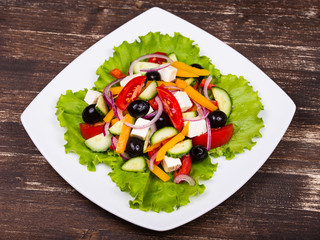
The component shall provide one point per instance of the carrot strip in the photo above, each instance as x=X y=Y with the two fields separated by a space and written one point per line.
x=124 y=135
x=159 y=173
x=173 y=141
x=187 y=68
x=109 y=116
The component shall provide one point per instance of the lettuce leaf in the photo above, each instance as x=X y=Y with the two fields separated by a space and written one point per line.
x=148 y=191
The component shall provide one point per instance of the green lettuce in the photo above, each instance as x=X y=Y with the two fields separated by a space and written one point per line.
x=147 y=190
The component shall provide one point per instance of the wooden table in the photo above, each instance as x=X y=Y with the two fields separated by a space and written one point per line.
x=39 y=39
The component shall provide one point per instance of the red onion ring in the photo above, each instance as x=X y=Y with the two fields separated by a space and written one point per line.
x=114 y=142
x=205 y=87
x=184 y=177
x=106 y=129
x=209 y=134
x=106 y=92
x=156 y=69
x=124 y=156
x=150 y=115
x=151 y=163
x=202 y=113
x=156 y=117
x=117 y=112
x=130 y=71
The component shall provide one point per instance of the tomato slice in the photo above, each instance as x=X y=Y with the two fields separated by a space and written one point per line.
x=171 y=107
x=88 y=130
x=117 y=73
x=186 y=166
x=219 y=137
x=130 y=92
x=153 y=103
x=158 y=60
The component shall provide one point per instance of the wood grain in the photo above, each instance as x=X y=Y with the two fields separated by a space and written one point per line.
x=39 y=38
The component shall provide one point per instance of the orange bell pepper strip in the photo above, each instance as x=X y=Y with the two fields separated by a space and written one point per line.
x=165 y=83
x=115 y=90
x=159 y=172
x=184 y=67
x=186 y=74
x=117 y=73
x=114 y=121
x=109 y=116
x=173 y=141
x=196 y=96
x=124 y=135
x=152 y=147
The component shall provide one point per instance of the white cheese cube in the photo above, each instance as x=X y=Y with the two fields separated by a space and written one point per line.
x=92 y=97
x=170 y=164
x=168 y=74
x=183 y=100
x=127 y=79
x=140 y=133
x=196 y=128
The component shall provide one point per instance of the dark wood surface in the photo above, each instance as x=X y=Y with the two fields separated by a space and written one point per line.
x=39 y=38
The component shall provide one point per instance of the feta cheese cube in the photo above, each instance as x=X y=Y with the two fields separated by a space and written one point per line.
x=127 y=79
x=170 y=164
x=196 y=128
x=183 y=100
x=143 y=132
x=168 y=74
x=92 y=97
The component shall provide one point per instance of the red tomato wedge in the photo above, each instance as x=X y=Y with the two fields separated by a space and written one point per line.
x=219 y=137
x=186 y=166
x=158 y=60
x=171 y=107
x=117 y=73
x=88 y=131
x=130 y=92
x=153 y=104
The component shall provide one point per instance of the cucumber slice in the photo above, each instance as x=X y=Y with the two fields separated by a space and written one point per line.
x=173 y=57
x=223 y=99
x=143 y=65
x=150 y=92
x=146 y=141
x=101 y=106
x=189 y=114
x=116 y=128
x=137 y=164
x=180 y=149
x=99 y=143
x=163 y=134
x=191 y=81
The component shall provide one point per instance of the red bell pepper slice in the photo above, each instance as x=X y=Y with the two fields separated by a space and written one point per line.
x=117 y=73
x=171 y=107
x=219 y=137
x=209 y=86
x=130 y=92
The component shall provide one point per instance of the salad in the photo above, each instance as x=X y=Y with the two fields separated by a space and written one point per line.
x=157 y=113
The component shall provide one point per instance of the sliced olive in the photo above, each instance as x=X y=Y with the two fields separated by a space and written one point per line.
x=138 y=108
x=198 y=153
x=217 y=119
x=90 y=114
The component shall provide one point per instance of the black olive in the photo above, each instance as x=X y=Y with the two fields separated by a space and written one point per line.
x=90 y=114
x=196 y=65
x=163 y=121
x=217 y=119
x=138 y=108
x=134 y=147
x=198 y=153
x=153 y=76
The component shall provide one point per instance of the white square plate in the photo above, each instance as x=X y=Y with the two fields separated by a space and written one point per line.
x=47 y=135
